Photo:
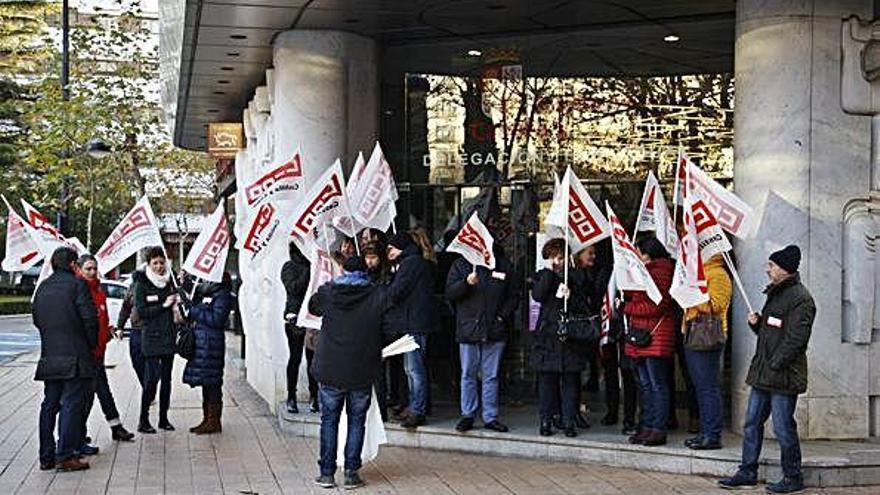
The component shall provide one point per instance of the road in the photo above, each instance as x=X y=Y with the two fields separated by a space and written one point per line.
x=17 y=336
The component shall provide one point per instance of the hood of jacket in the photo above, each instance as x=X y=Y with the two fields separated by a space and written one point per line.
x=350 y=289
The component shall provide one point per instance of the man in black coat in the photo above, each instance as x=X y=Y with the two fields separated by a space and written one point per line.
x=778 y=373
x=413 y=311
x=347 y=362
x=295 y=277
x=65 y=315
x=484 y=301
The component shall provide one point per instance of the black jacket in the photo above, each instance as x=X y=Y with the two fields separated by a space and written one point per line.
x=210 y=317
x=158 y=330
x=349 y=351
x=484 y=312
x=295 y=277
x=780 y=361
x=411 y=295
x=66 y=317
x=548 y=352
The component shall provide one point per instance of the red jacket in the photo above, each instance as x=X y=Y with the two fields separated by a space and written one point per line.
x=100 y=300
x=643 y=313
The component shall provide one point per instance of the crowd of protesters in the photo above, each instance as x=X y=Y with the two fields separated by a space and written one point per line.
x=70 y=311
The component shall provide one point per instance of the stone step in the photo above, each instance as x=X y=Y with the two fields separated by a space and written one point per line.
x=825 y=464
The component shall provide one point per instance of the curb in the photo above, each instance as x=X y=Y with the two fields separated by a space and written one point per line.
x=8 y=317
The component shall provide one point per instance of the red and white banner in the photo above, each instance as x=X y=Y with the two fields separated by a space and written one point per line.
x=326 y=200
x=324 y=269
x=137 y=230
x=43 y=232
x=654 y=216
x=373 y=194
x=574 y=216
x=630 y=272
x=474 y=243
x=731 y=212
x=207 y=256
x=711 y=237
x=280 y=183
x=262 y=229
x=689 y=286
x=21 y=250
x=607 y=312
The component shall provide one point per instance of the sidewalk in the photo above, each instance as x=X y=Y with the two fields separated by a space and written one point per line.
x=253 y=456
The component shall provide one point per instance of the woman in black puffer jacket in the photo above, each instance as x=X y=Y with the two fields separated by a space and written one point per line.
x=210 y=317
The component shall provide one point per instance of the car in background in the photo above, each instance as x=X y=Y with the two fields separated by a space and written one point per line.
x=115 y=291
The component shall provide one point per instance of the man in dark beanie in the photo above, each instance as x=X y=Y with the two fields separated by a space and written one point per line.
x=413 y=311
x=778 y=373
x=347 y=361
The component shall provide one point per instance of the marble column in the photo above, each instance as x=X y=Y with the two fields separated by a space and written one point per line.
x=798 y=159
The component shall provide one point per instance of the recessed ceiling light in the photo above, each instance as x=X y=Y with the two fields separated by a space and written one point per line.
x=474 y=53
x=227 y=69
x=496 y=6
x=352 y=21
x=222 y=81
x=238 y=36
x=671 y=38
x=213 y=110
x=233 y=54
x=219 y=92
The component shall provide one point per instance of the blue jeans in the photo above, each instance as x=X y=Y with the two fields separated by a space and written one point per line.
x=761 y=405
x=655 y=393
x=65 y=397
x=480 y=361
x=417 y=376
x=704 y=368
x=357 y=402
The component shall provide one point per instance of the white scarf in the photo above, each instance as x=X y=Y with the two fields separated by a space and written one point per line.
x=160 y=281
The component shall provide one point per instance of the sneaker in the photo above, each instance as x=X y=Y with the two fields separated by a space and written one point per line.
x=72 y=464
x=325 y=481
x=739 y=481
x=496 y=425
x=85 y=450
x=352 y=480
x=292 y=408
x=787 y=485
x=464 y=424
x=413 y=421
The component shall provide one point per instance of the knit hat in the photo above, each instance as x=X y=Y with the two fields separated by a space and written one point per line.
x=789 y=259
x=354 y=264
x=401 y=240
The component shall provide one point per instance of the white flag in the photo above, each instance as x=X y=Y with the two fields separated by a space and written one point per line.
x=21 y=250
x=574 y=215
x=280 y=183
x=731 y=212
x=689 y=286
x=326 y=200
x=47 y=237
x=373 y=194
x=629 y=270
x=137 y=230
x=711 y=237
x=207 y=256
x=474 y=242
x=654 y=216
x=324 y=269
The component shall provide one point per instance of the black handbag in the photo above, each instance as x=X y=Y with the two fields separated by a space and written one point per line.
x=641 y=337
x=185 y=343
x=705 y=332
x=580 y=328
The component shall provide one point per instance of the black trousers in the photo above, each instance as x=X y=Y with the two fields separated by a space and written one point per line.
x=295 y=343
x=212 y=394
x=617 y=368
x=100 y=387
x=558 y=392
x=156 y=369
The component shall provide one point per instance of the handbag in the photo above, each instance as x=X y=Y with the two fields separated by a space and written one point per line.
x=641 y=337
x=580 y=328
x=185 y=343
x=705 y=332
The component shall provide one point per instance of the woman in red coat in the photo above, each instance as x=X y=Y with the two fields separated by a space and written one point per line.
x=654 y=361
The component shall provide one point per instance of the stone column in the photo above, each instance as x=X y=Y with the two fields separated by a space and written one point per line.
x=798 y=159
x=326 y=97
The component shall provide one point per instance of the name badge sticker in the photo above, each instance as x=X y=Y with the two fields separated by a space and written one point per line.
x=207 y=300
x=774 y=322
x=152 y=298
x=499 y=275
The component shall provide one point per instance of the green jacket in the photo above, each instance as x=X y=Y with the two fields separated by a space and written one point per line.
x=780 y=361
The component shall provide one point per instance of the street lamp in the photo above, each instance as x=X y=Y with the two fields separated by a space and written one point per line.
x=98 y=149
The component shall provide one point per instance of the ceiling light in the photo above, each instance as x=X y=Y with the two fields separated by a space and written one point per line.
x=238 y=36
x=671 y=38
x=233 y=54
x=227 y=69
x=474 y=53
x=222 y=81
x=213 y=110
x=351 y=21
x=219 y=92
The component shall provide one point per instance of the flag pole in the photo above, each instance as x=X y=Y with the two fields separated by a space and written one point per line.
x=675 y=189
x=565 y=270
x=357 y=245
x=738 y=282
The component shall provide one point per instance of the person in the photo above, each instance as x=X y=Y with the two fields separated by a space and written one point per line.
x=66 y=318
x=705 y=365
x=347 y=362
x=411 y=296
x=619 y=368
x=88 y=271
x=295 y=276
x=485 y=301
x=127 y=312
x=154 y=299
x=778 y=373
x=209 y=313
x=653 y=361
x=593 y=279
x=558 y=363
x=347 y=249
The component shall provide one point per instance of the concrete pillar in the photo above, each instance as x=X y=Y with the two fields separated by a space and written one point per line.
x=798 y=159
x=326 y=97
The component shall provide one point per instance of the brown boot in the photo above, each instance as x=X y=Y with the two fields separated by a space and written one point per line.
x=212 y=425
x=204 y=419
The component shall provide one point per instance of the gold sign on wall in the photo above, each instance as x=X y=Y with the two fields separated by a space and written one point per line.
x=224 y=139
